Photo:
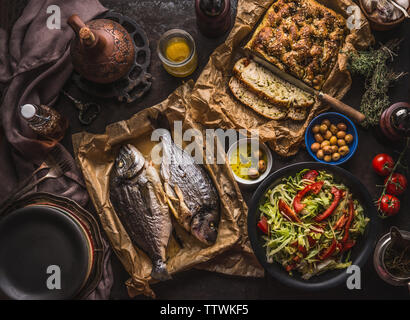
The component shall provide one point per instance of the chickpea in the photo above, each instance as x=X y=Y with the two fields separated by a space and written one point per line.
x=262 y=166
x=323 y=129
x=349 y=138
x=328 y=135
x=320 y=154
x=253 y=173
x=324 y=144
x=341 y=142
x=333 y=140
x=326 y=122
x=341 y=134
x=316 y=129
x=327 y=149
x=333 y=129
x=344 y=150
x=336 y=156
x=341 y=126
x=318 y=138
x=327 y=158
x=334 y=148
x=315 y=147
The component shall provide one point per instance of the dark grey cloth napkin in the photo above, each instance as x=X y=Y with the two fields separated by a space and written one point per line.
x=34 y=65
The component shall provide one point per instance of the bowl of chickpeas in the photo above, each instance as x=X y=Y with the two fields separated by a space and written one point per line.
x=331 y=138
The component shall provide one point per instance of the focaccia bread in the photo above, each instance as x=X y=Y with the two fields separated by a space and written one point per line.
x=268 y=86
x=301 y=37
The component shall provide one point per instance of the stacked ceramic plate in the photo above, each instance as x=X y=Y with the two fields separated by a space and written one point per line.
x=48 y=250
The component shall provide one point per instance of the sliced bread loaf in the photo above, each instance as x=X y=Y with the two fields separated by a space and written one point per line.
x=268 y=86
x=256 y=103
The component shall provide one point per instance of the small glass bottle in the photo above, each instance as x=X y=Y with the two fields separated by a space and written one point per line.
x=213 y=17
x=44 y=121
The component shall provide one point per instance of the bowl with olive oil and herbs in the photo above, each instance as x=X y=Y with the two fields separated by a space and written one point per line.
x=250 y=161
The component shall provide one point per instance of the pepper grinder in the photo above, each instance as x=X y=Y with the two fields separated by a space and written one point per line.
x=395 y=121
x=213 y=17
x=44 y=121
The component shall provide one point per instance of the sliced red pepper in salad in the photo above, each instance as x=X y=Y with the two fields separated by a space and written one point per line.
x=326 y=253
x=348 y=245
x=263 y=225
x=341 y=222
x=338 y=194
x=311 y=175
x=285 y=210
x=348 y=222
x=314 y=187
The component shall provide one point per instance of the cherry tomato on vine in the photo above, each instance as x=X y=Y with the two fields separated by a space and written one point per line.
x=383 y=164
x=397 y=184
x=389 y=205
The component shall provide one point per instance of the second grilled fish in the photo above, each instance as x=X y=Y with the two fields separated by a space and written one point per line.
x=193 y=198
x=139 y=200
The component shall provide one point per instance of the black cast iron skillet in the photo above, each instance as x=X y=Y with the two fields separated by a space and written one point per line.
x=34 y=238
x=361 y=251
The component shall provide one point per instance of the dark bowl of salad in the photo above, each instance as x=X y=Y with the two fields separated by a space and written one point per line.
x=309 y=222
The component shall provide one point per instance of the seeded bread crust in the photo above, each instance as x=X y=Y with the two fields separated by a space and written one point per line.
x=301 y=37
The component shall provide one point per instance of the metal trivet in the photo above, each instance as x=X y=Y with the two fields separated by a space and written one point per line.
x=137 y=81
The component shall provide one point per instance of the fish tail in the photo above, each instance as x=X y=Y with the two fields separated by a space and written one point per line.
x=159 y=271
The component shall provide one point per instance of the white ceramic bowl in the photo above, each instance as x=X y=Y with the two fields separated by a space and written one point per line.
x=264 y=148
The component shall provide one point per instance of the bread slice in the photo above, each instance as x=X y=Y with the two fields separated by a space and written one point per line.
x=297 y=114
x=256 y=103
x=268 y=86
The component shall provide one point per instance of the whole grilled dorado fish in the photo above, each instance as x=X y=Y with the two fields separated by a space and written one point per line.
x=192 y=196
x=140 y=202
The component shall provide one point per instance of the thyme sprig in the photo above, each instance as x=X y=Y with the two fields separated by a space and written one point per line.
x=373 y=65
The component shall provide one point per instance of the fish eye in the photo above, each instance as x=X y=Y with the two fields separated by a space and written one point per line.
x=120 y=164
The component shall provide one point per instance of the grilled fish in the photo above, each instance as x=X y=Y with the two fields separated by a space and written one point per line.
x=139 y=199
x=192 y=196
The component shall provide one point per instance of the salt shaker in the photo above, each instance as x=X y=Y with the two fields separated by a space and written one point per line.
x=44 y=121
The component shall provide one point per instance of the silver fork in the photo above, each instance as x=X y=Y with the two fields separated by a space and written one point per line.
x=56 y=171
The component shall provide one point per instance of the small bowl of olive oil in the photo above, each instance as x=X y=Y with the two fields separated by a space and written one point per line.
x=177 y=52
x=250 y=161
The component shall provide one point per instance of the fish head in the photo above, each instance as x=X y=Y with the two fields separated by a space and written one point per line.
x=128 y=162
x=204 y=226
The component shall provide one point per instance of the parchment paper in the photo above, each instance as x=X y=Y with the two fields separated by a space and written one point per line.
x=96 y=154
x=213 y=105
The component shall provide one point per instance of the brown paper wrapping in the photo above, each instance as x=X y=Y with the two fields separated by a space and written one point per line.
x=96 y=154
x=207 y=104
x=213 y=105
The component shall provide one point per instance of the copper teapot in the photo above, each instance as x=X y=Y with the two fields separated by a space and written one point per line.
x=102 y=50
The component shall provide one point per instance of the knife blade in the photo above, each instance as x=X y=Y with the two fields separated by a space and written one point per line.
x=284 y=76
x=335 y=103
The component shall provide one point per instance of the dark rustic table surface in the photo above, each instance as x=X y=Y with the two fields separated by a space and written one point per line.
x=156 y=17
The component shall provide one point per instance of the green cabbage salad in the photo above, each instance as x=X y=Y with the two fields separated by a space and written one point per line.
x=305 y=244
